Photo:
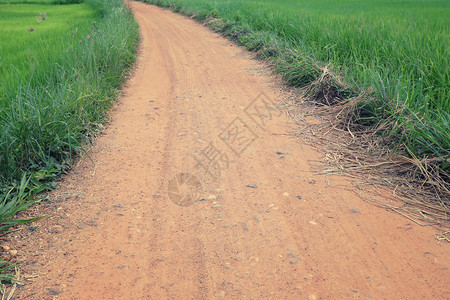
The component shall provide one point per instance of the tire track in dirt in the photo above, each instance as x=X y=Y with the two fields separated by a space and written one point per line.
x=297 y=235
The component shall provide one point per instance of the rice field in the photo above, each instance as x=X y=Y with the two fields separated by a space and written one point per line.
x=397 y=49
x=36 y=33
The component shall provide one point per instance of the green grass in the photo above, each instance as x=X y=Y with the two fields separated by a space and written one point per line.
x=55 y=95
x=25 y=2
x=18 y=198
x=399 y=49
x=41 y=1
x=27 y=51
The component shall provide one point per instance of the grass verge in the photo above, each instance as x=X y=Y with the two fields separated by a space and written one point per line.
x=57 y=83
x=49 y=110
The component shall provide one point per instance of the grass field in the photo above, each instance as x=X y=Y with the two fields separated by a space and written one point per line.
x=28 y=50
x=57 y=83
x=399 y=49
x=41 y=1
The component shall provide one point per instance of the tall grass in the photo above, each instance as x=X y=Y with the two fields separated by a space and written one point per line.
x=397 y=49
x=48 y=112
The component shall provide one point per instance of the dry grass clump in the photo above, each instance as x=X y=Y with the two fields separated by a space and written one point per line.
x=420 y=189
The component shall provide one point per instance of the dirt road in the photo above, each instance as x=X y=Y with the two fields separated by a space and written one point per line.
x=196 y=120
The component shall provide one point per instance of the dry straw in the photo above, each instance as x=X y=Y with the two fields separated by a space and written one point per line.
x=415 y=188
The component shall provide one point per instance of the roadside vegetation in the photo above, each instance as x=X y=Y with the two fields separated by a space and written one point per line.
x=61 y=67
x=388 y=59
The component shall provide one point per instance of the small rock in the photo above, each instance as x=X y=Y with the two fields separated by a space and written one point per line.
x=312 y=223
x=292 y=249
x=312 y=182
x=293 y=261
x=279 y=153
x=286 y=194
x=56 y=229
x=53 y=291
x=32 y=228
x=291 y=255
x=221 y=294
x=6 y=248
x=156 y=195
x=299 y=197
x=92 y=223
x=312 y=297
x=211 y=197
x=81 y=225
x=19 y=286
x=239 y=257
x=13 y=252
x=253 y=186
x=354 y=210
x=257 y=218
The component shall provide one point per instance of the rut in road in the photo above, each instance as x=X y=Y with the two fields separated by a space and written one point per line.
x=195 y=127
